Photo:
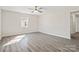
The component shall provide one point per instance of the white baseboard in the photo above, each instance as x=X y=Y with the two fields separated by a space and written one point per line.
x=11 y=34
x=37 y=31
x=56 y=35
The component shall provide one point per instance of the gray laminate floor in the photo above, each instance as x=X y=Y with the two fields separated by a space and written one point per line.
x=38 y=42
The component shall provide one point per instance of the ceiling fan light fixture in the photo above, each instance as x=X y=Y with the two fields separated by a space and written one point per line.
x=36 y=10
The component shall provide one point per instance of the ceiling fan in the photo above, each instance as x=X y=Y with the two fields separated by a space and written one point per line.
x=36 y=9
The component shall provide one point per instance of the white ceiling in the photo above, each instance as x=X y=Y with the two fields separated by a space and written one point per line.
x=24 y=9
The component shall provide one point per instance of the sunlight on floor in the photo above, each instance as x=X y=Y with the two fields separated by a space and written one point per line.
x=15 y=40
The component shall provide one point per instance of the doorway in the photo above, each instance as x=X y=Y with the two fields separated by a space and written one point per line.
x=74 y=25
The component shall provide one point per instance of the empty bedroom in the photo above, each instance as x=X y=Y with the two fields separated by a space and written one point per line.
x=39 y=29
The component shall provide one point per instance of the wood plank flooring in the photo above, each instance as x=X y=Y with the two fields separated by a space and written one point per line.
x=38 y=42
x=75 y=35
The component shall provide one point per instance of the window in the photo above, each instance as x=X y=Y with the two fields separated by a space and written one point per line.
x=24 y=22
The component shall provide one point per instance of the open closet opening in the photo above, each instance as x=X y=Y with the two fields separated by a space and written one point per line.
x=74 y=25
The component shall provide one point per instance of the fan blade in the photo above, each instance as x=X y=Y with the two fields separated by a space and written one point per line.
x=40 y=11
x=40 y=8
x=30 y=9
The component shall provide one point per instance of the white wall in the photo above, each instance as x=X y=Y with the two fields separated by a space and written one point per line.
x=56 y=23
x=11 y=23
x=0 y=24
x=77 y=23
